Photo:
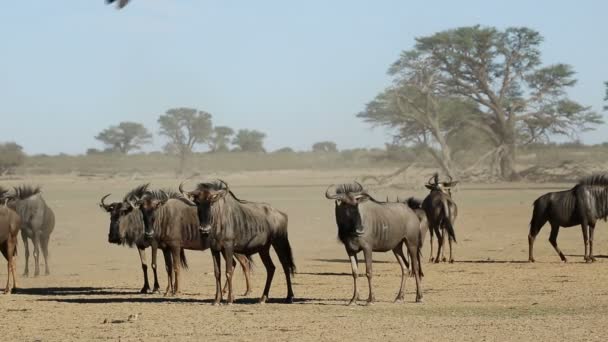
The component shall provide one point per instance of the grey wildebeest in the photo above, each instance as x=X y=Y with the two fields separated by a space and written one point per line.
x=238 y=226
x=441 y=212
x=175 y=228
x=367 y=225
x=583 y=205
x=118 y=209
x=10 y=223
x=37 y=223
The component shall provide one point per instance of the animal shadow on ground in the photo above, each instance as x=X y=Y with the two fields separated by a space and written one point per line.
x=347 y=261
x=240 y=301
x=72 y=291
x=580 y=256
x=491 y=261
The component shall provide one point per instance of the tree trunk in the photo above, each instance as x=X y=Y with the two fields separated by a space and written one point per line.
x=183 y=156
x=507 y=163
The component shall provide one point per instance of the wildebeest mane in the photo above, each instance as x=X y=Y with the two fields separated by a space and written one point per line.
x=137 y=192
x=3 y=192
x=598 y=179
x=25 y=191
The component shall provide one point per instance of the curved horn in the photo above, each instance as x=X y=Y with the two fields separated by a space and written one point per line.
x=331 y=197
x=429 y=181
x=103 y=200
x=360 y=186
x=181 y=187
x=185 y=194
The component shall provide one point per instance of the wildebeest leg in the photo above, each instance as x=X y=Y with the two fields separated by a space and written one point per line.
x=154 y=255
x=144 y=268
x=246 y=266
x=398 y=251
x=26 y=271
x=270 y=268
x=169 y=268
x=36 y=253
x=284 y=256
x=176 y=256
x=431 y=259
x=591 y=231
x=44 y=245
x=585 y=228
x=229 y=258
x=553 y=241
x=415 y=255
x=354 y=267
x=217 y=270
x=4 y=250
x=367 y=253
x=451 y=251
x=440 y=238
x=444 y=234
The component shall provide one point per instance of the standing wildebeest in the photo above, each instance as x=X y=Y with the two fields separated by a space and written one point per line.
x=441 y=212
x=37 y=223
x=175 y=228
x=584 y=204
x=367 y=225
x=238 y=226
x=116 y=209
x=10 y=223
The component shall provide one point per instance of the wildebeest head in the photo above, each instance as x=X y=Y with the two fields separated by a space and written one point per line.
x=446 y=187
x=117 y=210
x=205 y=197
x=347 y=198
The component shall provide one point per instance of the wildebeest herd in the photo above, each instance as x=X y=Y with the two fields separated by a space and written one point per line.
x=211 y=216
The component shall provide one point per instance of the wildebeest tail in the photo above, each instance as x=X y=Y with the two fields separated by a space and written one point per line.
x=284 y=252
x=447 y=220
x=539 y=216
x=182 y=257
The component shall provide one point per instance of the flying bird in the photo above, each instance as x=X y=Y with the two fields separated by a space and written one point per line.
x=120 y=4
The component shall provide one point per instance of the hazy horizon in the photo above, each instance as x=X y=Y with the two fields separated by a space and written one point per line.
x=297 y=72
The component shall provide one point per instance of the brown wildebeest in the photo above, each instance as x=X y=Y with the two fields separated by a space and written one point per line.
x=37 y=223
x=367 y=225
x=175 y=228
x=10 y=223
x=116 y=209
x=583 y=205
x=238 y=226
x=441 y=212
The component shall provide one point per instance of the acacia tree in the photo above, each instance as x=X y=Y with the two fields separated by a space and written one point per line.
x=325 y=146
x=418 y=108
x=11 y=156
x=521 y=101
x=220 y=138
x=249 y=141
x=125 y=137
x=185 y=128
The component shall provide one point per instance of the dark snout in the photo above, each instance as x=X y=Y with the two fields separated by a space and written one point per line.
x=114 y=237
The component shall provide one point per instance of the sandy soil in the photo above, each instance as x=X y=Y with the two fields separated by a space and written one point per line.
x=489 y=294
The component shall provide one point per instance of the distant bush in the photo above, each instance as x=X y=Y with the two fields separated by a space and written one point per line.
x=11 y=156
x=284 y=150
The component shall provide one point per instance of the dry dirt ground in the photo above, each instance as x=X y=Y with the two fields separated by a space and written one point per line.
x=489 y=294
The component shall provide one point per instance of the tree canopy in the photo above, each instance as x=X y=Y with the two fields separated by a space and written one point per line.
x=220 y=139
x=125 y=137
x=249 y=141
x=11 y=156
x=325 y=146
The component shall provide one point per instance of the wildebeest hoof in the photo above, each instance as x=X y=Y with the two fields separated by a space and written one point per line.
x=451 y=261
x=531 y=260
x=419 y=300
x=444 y=259
x=145 y=289
x=247 y=293
x=289 y=300
x=431 y=259
x=263 y=300
x=399 y=299
x=216 y=303
x=369 y=303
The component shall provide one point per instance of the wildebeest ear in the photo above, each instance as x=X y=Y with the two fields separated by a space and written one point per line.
x=430 y=187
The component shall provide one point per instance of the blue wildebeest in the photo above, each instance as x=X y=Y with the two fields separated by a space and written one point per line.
x=367 y=225
x=118 y=209
x=10 y=223
x=441 y=212
x=238 y=226
x=174 y=227
x=37 y=223
x=583 y=205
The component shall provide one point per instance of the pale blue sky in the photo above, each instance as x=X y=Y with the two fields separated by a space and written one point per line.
x=298 y=71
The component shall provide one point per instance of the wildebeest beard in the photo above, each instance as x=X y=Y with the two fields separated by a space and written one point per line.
x=204 y=216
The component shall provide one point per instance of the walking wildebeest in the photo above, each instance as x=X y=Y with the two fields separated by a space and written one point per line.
x=238 y=226
x=441 y=212
x=10 y=223
x=583 y=205
x=116 y=209
x=175 y=228
x=365 y=224
x=37 y=223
